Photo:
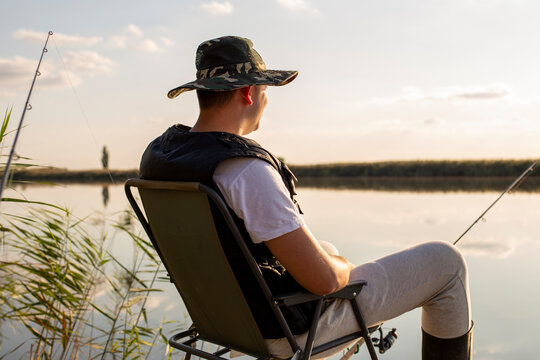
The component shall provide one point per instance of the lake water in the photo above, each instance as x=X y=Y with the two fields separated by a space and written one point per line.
x=503 y=252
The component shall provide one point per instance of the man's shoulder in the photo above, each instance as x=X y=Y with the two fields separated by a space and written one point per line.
x=251 y=167
x=179 y=154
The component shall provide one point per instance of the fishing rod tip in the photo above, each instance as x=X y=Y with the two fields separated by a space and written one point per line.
x=50 y=32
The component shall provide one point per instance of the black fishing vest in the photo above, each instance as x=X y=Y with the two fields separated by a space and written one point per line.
x=182 y=155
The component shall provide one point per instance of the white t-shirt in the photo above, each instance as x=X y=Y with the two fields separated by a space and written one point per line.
x=256 y=193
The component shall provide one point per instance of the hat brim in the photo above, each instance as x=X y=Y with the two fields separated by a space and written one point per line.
x=236 y=81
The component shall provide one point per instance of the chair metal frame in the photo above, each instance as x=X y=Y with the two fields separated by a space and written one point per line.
x=186 y=340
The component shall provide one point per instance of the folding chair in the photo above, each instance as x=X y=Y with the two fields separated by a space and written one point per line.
x=180 y=222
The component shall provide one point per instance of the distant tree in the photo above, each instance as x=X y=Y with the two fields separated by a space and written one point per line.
x=105 y=158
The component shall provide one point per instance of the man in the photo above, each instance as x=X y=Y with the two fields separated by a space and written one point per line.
x=231 y=85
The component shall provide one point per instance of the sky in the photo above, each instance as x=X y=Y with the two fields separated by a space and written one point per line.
x=378 y=79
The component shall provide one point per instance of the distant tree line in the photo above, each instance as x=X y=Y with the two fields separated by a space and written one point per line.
x=419 y=183
x=75 y=176
x=435 y=168
x=432 y=168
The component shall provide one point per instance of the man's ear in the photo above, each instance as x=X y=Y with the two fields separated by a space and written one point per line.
x=246 y=94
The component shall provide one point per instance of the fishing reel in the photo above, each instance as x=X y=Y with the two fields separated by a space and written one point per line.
x=385 y=342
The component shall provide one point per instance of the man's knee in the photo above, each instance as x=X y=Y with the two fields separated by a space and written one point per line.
x=447 y=254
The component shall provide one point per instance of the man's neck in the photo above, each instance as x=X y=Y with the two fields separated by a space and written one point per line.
x=220 y=119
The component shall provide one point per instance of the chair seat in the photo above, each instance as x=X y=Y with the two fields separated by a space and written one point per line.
x=180 y=221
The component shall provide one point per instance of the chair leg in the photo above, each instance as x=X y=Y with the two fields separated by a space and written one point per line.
x=364 y=329
x=308 y=348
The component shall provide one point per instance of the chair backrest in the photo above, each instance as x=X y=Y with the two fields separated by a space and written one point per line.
x=180 y=224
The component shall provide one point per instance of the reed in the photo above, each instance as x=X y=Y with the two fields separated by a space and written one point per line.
x=53 y=266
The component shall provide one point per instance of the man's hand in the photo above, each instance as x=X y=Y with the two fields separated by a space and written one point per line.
x=308 y=263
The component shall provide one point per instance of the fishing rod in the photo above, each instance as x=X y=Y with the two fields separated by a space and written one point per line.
x=27 y=106
x=513 y=186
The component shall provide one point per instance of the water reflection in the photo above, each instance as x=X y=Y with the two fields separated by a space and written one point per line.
x=369 y=218
x=491 y=247
x=105 y=195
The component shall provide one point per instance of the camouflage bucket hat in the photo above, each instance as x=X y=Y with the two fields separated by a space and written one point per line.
x=229 y=63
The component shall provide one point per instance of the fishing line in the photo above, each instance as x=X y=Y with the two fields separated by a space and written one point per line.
x=80 y=106
x=27 y=106
x=513 y=186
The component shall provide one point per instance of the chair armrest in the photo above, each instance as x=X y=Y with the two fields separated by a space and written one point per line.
x=349 y=292
x=298 y=297
x=295 y=298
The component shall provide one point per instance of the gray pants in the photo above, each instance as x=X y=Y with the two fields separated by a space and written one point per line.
x=432 y=275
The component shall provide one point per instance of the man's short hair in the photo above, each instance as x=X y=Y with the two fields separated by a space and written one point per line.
x=209 y=98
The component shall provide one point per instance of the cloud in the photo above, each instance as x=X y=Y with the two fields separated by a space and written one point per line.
x=12 y=69
x=87 y=62
x=17 y=73
x=491 y=92
x=166 y=41
x=126 y=42
x=133 y=39
x=146 y=45
x=134 y=30
x=60 y=39
x=431 y=121
x=297 y=5
x=218 y=8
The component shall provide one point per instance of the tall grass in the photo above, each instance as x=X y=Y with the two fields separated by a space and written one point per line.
x=64 y=291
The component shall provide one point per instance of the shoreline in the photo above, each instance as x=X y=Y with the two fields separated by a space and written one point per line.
x=376 y=183
x=384 y=169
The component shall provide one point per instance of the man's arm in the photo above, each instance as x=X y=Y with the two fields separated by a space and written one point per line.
x=308 y=263
x=257 y=194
